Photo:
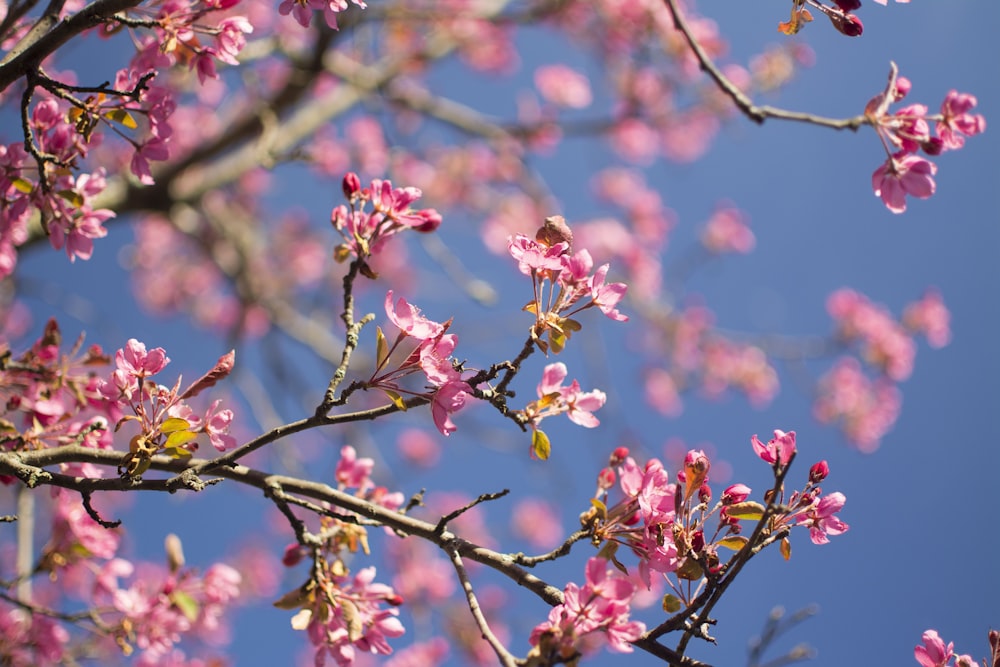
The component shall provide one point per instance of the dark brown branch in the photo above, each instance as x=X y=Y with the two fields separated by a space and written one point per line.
x=47 y=36
x=757 y=114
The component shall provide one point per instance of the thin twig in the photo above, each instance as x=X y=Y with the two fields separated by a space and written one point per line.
x=757 y=114
x=506 y=659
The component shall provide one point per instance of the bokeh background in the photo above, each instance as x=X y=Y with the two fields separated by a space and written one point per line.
x=922 y=509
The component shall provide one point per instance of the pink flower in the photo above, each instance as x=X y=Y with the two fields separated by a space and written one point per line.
x=563 y=86
x=534 y=257
x=447 y=400
x=778 y=449
x=607 y=296
x=821 y=519
x=728 y=231
x=958 y=120
x=135 y=360
x=933 y=653
x=931 y=317
x=230 y=39
x=352 y=472
x=217 y=424
x=903 y=175
x=154 y=149
x=409 y=320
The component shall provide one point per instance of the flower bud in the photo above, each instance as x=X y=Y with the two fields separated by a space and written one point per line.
x=847 y=24
x=705 y=494
x=555 y=230
x=903 y=86
x=848 y=5
x=736 y=493
x=818 y=472
x=175 y=552
x=698 y=541
x=618 y=456
x=292 y=556
x=605 y=479
x=431 y=220
x=933 y=146
x=351 y=184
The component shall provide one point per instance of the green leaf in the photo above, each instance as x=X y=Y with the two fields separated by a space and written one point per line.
x=175 y=424
x=177 y=452
x=74 y=198
x=22 y=185
x=187 y=604
x=748 y=509
x=121 y=117
x=396 y=399
x=381 y=348
x=671 y=603
x=178 y=438
x=540 y=445
x=734 y=542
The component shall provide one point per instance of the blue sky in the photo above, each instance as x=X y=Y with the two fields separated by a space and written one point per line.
x=921 y=509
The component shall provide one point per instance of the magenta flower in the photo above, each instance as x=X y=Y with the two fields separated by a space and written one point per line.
x=933 y=653
x=447 y=400
x=409 y=320
x=903 y=175
x=230 y=39
x=821 y=519
x=958 y=121
x=778 y=449
x=563 y=86
x=217 y=424
x=607 y=296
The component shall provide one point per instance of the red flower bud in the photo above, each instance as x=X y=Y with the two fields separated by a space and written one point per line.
x=432 y=220
x=617 y=456
x=933 y=146
x=351 y=184
x=704 y=493
x=605 y=479
x=848 y=24
x=848 y=5
x=292 y=556
x=698 y=541
x=818 y=472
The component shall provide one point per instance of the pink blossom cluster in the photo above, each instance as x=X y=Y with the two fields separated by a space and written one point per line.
x=728 y=231
x=885 y=344
x=906 y=131
x=555 y=399
x=431 y=357
x=55 y=399
x=365 y=232
x=51 y=398
x=690 y=353
x=157 y=610
x=600 y=607
x=866 y=408
x=302 y=10
x=174 y=271
x=64 y=126
x=65 y=201
x=665 y=524
x=562 y=284
x=166 y=423
x=352 y=472
x=344 y=614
